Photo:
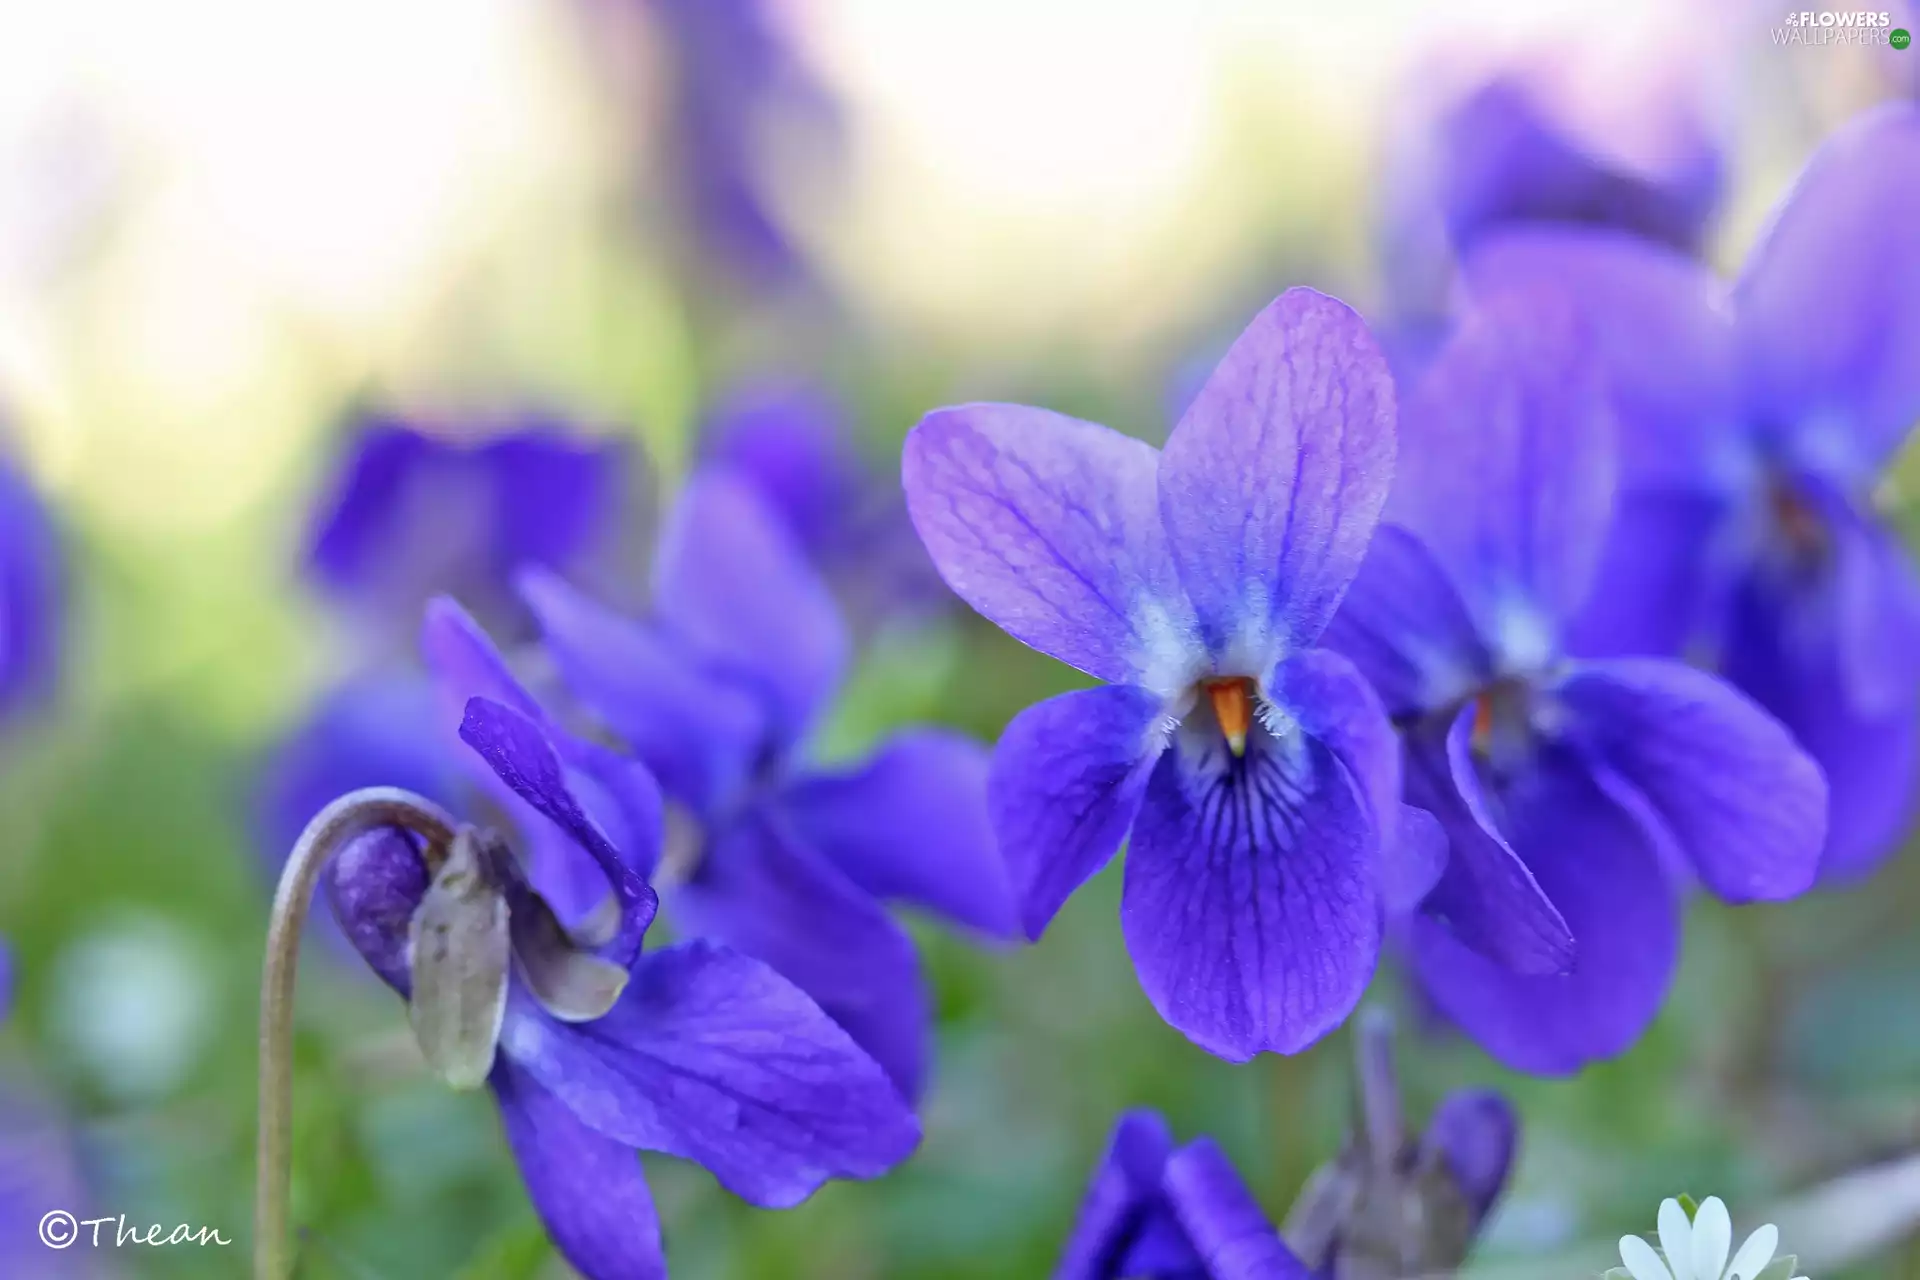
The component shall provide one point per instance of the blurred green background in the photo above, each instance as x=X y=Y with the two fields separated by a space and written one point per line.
x=223 y=225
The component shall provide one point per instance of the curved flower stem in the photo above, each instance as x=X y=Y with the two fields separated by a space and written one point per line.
x=331 y=830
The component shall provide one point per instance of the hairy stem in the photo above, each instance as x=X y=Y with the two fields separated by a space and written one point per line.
x=331 y=830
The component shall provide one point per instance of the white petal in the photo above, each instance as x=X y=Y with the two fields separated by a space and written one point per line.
x=1676 y=1240
x=1755 y=1254
x=460 y=955
x=1642 y=1262
x=1712 y=1237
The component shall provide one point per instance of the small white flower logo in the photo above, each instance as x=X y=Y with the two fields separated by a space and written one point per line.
x=1697 y=1249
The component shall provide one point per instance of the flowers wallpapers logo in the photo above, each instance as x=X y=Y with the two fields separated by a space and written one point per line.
x=1845 y=26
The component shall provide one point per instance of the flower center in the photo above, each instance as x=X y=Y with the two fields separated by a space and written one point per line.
x=1482 y=721
x=1232 y=701
x=1502 y=730
x=1801 y=528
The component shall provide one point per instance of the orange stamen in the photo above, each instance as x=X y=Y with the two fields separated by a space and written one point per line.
x=1482 y=721
x=1232 y=700
x=1798 y=520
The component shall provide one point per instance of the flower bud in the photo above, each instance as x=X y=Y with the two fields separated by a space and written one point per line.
x=375 y=885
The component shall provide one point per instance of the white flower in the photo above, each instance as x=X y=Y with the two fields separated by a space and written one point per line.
x=1697 y=1250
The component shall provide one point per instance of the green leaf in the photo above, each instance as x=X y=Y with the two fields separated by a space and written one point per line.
x=898 y=680
x=1688 y=1203
x=515 y=1252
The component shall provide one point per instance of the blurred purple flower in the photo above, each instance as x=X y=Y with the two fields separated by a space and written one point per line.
x=402 y=729
x=734 y=74
x=715 y=693
x=1258 y=775
x=1755 y=428
x=792 y=443
x=705 y=1054
x=413 y=515
x=1156 y=1212
x=29 y=593
x=1394 y=1203
x=29 y=620
x=618 y=795
x=1560 y=785
x=374 y=730
x=41 y=1170
x=1496 y=158
x=1502 y=161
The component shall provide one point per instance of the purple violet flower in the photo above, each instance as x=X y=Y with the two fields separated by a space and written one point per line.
x=42 y=1166
x=1394 y=1203
x=1157 y=1212
x=379 y=729
x=735 y=73
x=413 y=515
x=29 y=621
x=703 y=1053
x=402 y=729
x=1390 y=1204
x=1495 y=159
x=715 y=692
x=410 y=516
x=1585 y=781
x=29 y=593
x=1502 y=161
x=1755 y=428
x=619 y=794
x=1257 y=774
x=792 y=443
